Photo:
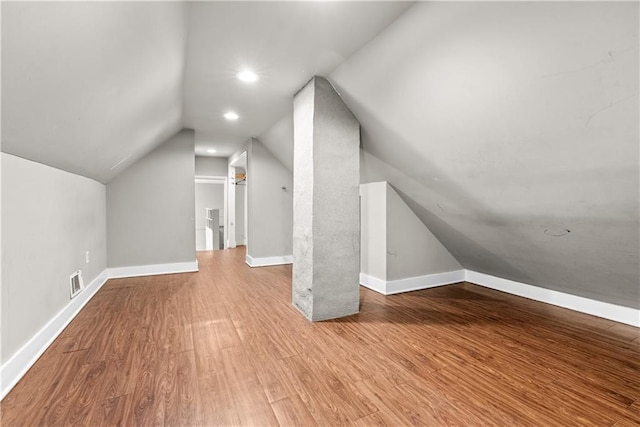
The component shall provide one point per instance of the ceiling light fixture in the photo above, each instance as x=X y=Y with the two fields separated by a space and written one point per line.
x=247 y=76
x=230 y=115
x=211 y=150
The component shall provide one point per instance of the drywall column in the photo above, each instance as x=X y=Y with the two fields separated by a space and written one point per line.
x=326 y=217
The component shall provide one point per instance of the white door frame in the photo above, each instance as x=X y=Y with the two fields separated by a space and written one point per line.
x=210 y=179
x=230 y=217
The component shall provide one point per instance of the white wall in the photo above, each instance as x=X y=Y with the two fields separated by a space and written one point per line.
x=270 y=208
x=50 y=218
x=211 y=166
x=151 y=207
x=373 y=229
x=241 y=200
x=236 y=160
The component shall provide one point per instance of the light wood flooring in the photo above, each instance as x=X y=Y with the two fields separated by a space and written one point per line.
x=225 y=347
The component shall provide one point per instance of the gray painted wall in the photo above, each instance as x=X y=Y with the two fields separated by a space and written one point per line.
x=395 y=242
x=279 y=140
x=211 y=166
x=503 y=123
x=208 y=195
x=50 y=218
x=270 y=208
x=498 y=121
x=412 y=250
x=150 y=207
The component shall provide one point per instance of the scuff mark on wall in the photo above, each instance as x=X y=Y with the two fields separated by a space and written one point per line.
x=611 y=104
x=611 y=57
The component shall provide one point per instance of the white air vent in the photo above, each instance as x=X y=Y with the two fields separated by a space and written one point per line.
x=75 y=282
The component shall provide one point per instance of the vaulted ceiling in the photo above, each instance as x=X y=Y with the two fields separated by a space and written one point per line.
x=510 y=128
x=285 y=43
x=90 y=87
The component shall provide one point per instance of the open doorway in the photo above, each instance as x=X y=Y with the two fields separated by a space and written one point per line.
x=241 y=203
x=237 y=203
x=210 y=212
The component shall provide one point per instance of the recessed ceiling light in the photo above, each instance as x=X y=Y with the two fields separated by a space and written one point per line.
x=211 y=150
x=247 y=76
x=230 y=115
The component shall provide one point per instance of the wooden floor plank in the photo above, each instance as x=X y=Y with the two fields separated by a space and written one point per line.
x=316 y=395
x=226 y=347
x=182 y=399
x=217 y=398
x=110 y=412
x=77 y=404
x=273 y=380
x=50 y=406
x=292 y=412
x=380 y=391
x=250 y=401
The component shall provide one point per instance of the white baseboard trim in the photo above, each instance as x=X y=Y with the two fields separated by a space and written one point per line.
x=18 y=365
x=617 y=313
x=153 y=269
x=14 y=369
x=390 y=287
x=373 y=283
x=267 y=261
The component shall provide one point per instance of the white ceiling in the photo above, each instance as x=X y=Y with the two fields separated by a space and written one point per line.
x=499 y=123
x=90 y=87
x=516 y=120
x=285 y=43
x=503 y=124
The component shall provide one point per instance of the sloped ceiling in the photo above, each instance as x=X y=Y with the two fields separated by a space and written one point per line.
x=511 y=129
x=516 y=128
x=285 y=43
x=89 y=87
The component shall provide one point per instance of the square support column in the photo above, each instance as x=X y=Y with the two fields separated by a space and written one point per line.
x=326 y=205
